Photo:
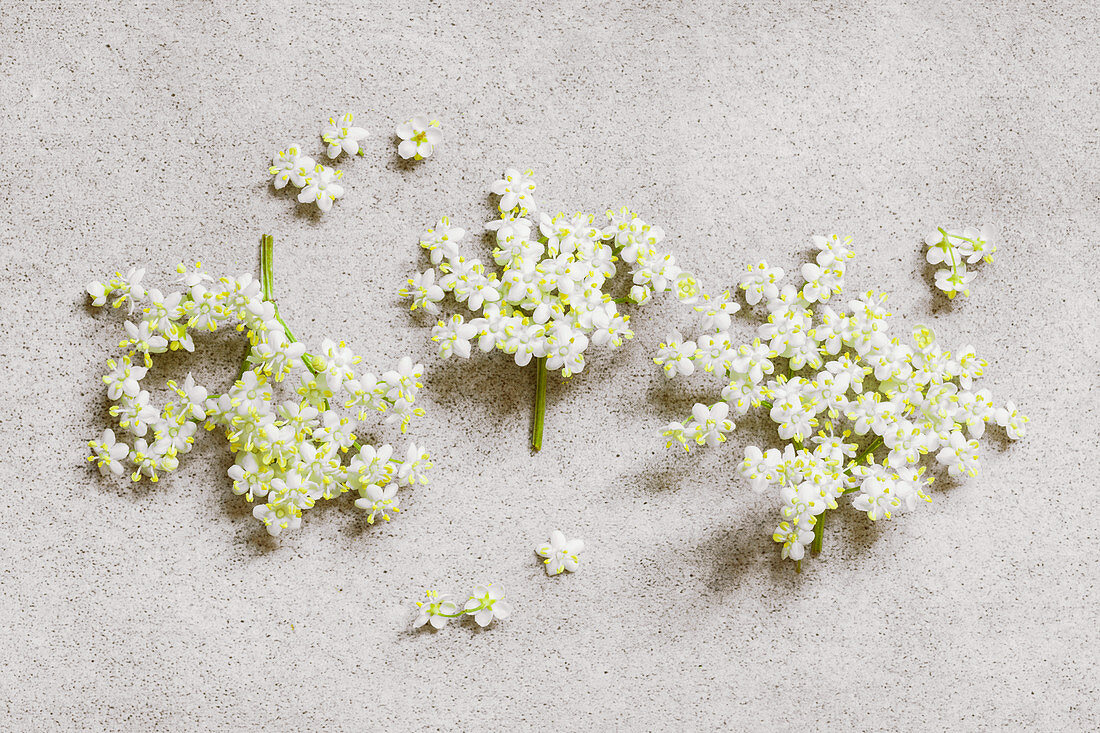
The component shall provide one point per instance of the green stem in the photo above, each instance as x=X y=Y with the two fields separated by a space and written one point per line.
x=819 y=533
x=267 y=287
x=461 y=613
x=540 y=403
x=951 y=251
x=819 y=528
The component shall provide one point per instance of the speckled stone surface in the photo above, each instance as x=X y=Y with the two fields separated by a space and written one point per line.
x=141 y=136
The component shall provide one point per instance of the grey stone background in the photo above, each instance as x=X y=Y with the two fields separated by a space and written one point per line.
x=140 y=133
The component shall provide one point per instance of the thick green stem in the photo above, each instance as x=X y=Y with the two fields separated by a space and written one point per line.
x=819 y=533
x=540 y=403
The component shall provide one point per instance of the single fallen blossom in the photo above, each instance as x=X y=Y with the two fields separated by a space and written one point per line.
x=419 y=137
x=322 y=187
x=341 y=136
x=560 y=553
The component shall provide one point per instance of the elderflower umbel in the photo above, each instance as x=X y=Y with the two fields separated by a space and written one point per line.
x=560 y=553
x=548 y=302
x=289 y=453
x=858 y=410
x=955 y=250
x=419 y=137
x=484 y=605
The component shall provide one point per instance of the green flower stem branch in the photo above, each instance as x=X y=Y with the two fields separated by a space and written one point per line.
x=819 y=528
x=267 y=287
x=540 y=403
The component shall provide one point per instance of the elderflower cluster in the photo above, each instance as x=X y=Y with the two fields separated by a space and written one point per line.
x=955 y=250
x=857 y=408
x=319 y=183
x=290 y=452
x=485 y=604
x=549 y=298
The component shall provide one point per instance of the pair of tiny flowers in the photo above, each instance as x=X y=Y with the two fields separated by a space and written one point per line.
x=487 y=603
x=321 y=184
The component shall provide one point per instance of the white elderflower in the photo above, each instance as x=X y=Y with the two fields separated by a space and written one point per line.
x=419 y=137
x=290 y=166
x=1011 y=420
x=289 y=454
x=417 y=464
x=560 y=553
x=487 y=603
x=808 y=364
x=377 y=500
x=322 y=187
x=108 y=453
x=550 y=300
x=453 y=336
x=424 y=291
x=761 y=282
x=341 y=136
x=515 y=190
x=675 y=355
x=437 y=609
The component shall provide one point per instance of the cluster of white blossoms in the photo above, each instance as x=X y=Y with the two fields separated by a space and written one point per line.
x=419 y=137
x=857 y=407
x=289 y=452
x=548 y=302
x=485 y=604
x=549 y=298
x=955 y=250
x=319 y=183
x=560 y=554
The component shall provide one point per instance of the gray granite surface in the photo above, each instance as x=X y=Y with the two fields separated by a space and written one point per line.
x=139 y=133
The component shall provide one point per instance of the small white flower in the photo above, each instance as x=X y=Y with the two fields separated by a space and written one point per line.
x=414 y=469
x=123 y=378
x=515 y=189
x=487 y=603
x=959 y=455
x=710 y=423
x=437 y=609
x=108 y=453
x=278 y=516
x=453 y=336
x=322 y=187
x=675 y=355
x=424 y=292
x=290 y=166
x=342 y=137
x=419 y=137
x=377 y=500
x=795 y=537
x=761 y=281
x=560 y=554
x=1012 y=421
x=442 y=241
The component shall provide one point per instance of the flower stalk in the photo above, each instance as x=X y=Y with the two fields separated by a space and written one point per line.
x=540 y=403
